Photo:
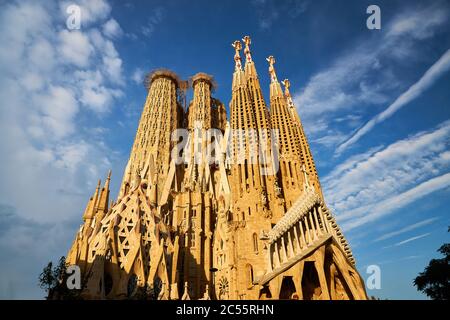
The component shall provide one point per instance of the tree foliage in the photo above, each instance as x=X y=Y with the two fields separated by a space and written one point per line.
x=53 y=281
x=434 y=281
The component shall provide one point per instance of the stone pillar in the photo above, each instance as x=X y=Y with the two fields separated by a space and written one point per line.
x=308 y=231
x=277 y=255
x=290 y=246
x=207 y=247
x=313 y=229
x=269 y=258
x=283 y=249
x=319 y=230
x=324 y=220
x=297 y=239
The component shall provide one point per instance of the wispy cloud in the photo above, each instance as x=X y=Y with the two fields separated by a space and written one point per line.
x=411 y=257
x=427 y=80
x=370 y=185
x=270 y=11
x=138 y=76
x=407 y=229
x=112 y=29
x=408 y=240
x=365 y=75
x=155 y=18
x=396 y=202
x=49 y=76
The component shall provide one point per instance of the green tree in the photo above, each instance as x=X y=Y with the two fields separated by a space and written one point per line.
x=434 y=281
x=47 y=279
x=54 y=281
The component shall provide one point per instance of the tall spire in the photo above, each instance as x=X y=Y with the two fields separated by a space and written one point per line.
x=91 y=207
x=238 y=75
x=287 y=84
x=237 y=56
x=261 y=114
x=275 y=87
x=161 y=116
x=290 y=163
x=247 y=52
x=302 y=141
x=273 y=75
x=250 y=69
x=104 y=196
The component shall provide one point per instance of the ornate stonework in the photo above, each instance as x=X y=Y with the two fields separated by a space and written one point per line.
x=230 y=210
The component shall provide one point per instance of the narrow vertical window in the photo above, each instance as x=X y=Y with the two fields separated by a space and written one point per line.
x=255 y=243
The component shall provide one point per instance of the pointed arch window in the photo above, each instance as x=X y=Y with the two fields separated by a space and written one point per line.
x=255 y=243
x=249 y=275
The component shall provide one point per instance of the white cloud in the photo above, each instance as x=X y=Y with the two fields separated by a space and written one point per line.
x=406 y=229
x=47 y=77
x=92 y=11
x=428 y=79
x=32 y=81
x=112 y=29
x=58 y=108
x=19 y=24
x=415 y=25
x=41 y=55
x=269 y=11
x=94 y=94
x=370 y=185
x=155 y=17
x=396 y=202
x=53 y=85
x=365 y=75
x=113 y=67
x=75 y=47
x=138 y=76
x=409 y=240
x=111 y=61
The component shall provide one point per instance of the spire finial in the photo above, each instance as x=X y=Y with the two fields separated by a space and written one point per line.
x=247 y=51
x=272 y=73
x=287 y=84
x=109 y=175
x=237 y=57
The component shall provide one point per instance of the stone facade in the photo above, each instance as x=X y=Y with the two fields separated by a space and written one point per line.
x=227 y=210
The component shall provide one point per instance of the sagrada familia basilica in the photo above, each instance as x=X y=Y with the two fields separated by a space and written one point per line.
x=211 y=208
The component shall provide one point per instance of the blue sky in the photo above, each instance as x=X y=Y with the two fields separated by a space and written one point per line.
x=374 y=103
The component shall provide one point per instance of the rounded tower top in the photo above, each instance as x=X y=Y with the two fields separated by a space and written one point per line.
x=201 y=76
x=161 y=73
